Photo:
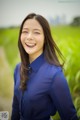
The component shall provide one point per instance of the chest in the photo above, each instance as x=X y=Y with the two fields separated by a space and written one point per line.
x=37 y=86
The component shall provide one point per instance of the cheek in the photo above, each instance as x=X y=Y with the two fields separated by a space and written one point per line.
x=22 y=39
x=42 y=41
x=41 y=44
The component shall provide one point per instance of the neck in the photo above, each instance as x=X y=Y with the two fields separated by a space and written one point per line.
x=33 y=57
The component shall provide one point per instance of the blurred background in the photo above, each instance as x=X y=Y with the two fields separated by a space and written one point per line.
x=64 y=19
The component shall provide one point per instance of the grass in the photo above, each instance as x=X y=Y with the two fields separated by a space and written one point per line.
x=8 y=40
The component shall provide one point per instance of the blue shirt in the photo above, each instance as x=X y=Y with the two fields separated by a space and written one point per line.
x=47 y=92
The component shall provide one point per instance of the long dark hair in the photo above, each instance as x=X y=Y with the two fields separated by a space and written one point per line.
x=50 y=48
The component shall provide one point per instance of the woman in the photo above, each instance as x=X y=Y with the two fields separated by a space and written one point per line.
x=40 y=88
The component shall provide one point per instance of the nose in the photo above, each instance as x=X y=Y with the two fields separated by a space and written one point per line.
x=29 y=36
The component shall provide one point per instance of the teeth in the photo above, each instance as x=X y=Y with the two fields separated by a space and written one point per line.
x=31 y=44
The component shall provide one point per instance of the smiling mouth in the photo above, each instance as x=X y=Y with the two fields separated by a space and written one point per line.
x=30 y=45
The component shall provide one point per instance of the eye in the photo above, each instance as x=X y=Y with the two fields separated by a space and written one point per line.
x=37 y=32
x=24 y=32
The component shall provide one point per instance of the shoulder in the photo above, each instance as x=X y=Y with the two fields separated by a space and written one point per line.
x=57 y=76
x=56 y=70
x=52 y=70
x=17 y=71
x=17 y=68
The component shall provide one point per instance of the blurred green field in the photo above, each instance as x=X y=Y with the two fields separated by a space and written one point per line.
x=68 y=40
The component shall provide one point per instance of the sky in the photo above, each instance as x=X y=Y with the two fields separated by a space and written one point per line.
x=12 y=12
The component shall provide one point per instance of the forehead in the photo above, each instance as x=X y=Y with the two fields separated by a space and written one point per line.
x=32 y=23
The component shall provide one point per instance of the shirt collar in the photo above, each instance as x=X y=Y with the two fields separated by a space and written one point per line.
x=35 y=65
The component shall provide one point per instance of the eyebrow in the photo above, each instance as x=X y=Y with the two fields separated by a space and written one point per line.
x=36 y=29
x=25 y=29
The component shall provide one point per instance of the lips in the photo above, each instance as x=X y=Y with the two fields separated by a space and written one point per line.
x=31 y=45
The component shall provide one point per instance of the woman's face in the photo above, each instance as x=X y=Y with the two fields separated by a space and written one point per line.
x=32 y=38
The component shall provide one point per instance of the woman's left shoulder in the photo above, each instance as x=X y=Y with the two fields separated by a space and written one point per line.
x=52 y=70
x=56 y=68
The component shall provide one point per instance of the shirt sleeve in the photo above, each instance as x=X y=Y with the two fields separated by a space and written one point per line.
x=15 y=105
x=60 y=95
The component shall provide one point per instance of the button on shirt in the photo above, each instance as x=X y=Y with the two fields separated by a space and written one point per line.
x=47 y=92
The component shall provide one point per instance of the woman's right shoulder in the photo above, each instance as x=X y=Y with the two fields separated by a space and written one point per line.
x=17 y=67
x=17 y=72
